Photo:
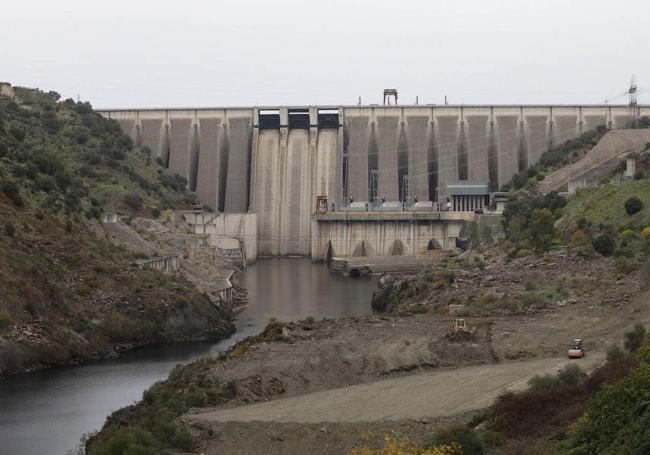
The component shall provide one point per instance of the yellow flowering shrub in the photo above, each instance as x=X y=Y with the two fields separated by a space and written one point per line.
x=645 y=233
x=397 y=444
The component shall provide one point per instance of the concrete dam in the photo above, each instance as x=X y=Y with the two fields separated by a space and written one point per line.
x=273 y=162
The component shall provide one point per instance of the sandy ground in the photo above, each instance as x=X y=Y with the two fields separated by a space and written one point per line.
x=424 y=395
x=332 y=385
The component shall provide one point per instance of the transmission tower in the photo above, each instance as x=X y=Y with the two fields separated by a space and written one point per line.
x=634 y=106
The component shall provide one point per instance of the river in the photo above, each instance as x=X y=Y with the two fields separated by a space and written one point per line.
x=48 y=412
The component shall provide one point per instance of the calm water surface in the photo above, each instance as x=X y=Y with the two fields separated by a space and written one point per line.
x=47 y=413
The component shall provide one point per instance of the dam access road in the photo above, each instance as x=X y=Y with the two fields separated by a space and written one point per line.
x=420 y=396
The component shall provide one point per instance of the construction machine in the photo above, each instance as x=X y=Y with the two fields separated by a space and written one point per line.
x=460 y=326
x=576 y=351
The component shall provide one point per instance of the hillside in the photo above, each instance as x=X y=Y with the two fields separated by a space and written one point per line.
x=605 y=204
x=602 y=157
x=67 y=294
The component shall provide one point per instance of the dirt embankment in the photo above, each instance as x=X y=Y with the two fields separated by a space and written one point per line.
x=71 y=296
x=319 y=386
x=573 y=298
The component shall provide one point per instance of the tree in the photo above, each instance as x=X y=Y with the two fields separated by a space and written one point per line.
x=542 y=230
x=633 y=205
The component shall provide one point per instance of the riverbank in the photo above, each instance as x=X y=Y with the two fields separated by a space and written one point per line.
x=86 y=218
x=61 y=404
x=120 y=305
x=303 y=360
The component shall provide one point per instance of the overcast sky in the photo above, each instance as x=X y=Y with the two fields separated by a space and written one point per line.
x=149 y=53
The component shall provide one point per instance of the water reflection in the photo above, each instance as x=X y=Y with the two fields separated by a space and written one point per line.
x=47 y=412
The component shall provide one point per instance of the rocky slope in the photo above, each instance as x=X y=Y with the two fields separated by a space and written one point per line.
x=67 y=294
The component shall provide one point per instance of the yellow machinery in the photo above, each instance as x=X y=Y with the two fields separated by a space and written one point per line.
x=460 y=326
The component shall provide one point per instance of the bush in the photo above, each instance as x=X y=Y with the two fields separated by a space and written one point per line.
x=5 y=319
x=541 y=230
x=47 y=163
x=645 y=233
x=519 y=180
x=617 y=420
x=604 y=243
x=175 y=182
x=10 y=230
x=133 y=200
x=155 y=212
x=10 y=188
x=615 y=353
x=581 y=223
x=570 y=375
x=17 y=133
x=45 y=183
x=634 y=338
x=469 y=441
x=633 y=205
x=627 y=234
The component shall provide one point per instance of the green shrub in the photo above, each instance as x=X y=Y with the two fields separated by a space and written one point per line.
x=633 y=205
x=10 y=188
x=645 y=233
x=175 y=181
x=634 y=338
x=17 y=133
x=470 y=442
x=10 y=230
x=570 y=375
x=604 y=243
x=522 y=253
x=615 y=353
x=48 y=163
x=155 y=212
x=45 y=183
x=133 y=200
x=486 y=299
x=130 y=441
x=617 y=420
x=626 y=265
x=627 y=234
x=5 y=319
x=542 y=230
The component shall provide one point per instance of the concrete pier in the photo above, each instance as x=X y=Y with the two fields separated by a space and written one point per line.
x=274 y=161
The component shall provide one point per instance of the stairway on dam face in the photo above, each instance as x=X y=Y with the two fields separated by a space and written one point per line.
x=610 y=147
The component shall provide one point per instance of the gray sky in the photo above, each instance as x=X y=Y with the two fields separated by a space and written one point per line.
x=147 y=53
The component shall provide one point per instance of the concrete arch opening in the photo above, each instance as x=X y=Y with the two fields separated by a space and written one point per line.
x=329 y=252
x=361 y=249
x=433 y=245
x=396 y=249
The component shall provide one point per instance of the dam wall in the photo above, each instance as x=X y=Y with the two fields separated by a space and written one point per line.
x=274 y=161
x=341 y=234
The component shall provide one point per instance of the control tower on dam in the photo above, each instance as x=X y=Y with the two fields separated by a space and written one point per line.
x=275 y=161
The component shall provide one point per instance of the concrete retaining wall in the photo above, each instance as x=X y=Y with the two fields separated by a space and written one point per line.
x=166 y=264
x=384 y=234
x=240 y=226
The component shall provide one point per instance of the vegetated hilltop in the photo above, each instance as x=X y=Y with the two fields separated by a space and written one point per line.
x=66 y=295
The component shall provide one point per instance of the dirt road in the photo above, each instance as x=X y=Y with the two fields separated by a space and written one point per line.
x=430 y=394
